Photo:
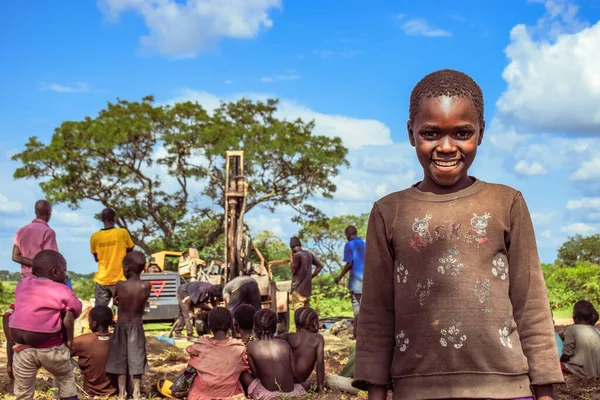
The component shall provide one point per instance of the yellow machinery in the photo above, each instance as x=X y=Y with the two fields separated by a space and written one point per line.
x=188 y=265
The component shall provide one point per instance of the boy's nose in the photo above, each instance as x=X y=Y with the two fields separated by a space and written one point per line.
x=446 y=145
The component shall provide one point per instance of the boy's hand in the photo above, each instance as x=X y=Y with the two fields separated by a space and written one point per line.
x=69 y=345
x=9 y=372
x=338 y=279
x=544 y=392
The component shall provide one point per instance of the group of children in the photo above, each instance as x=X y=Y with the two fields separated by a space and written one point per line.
x=40 y=330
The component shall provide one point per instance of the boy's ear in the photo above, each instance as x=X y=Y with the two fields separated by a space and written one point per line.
x=409 y=129
x=236 y=326
x=93 y=325
x=481 y=131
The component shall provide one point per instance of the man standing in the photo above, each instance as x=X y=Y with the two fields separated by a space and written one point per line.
x=109 y=246
x=241 y=290
x=33 y=238
x=302 y=275
x=354 y=257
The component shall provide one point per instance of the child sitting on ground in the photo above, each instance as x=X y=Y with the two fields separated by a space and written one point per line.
x=219 y=361
x=243 y=322
x=43 y=304
x=581 y=348
x=92 y=352
x=271 y=361
x=127 y=348
x=307 y=345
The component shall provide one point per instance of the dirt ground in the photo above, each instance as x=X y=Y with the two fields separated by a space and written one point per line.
x=168 y=361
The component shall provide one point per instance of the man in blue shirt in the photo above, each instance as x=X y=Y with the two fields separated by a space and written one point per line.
x=354 y=257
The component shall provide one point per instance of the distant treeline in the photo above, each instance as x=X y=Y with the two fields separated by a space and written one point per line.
x=16 y=276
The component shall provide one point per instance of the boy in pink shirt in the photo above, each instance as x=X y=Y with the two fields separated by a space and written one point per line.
x=43 y=305
x=33 y=238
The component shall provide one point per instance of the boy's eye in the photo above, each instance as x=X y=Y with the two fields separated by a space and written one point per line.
x=429 y=134
x=463 y=134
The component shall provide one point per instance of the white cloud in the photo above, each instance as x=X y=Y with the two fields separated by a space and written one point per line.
x=354 y=132
x=588 y=171
x=79 y=87
x=530 y=169
x=185 y=28
x=69 y=218
x=587 y=203
x=263 y=222
x=578 y=228
x=553 y=82
x=269 y=79
x=229 y=82
x=9 y=207
x=421 y=27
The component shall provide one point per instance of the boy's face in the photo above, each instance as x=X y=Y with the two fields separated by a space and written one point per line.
x=446 y=134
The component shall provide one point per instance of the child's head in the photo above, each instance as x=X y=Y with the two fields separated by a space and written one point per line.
x=108 y=215
x=307 y=318
x=244 y=317
x=100 y=318
x=265 y=323
x=133 y=264
x=50 y=264
x=584 y=313
x=220 y=320
x=446 y=125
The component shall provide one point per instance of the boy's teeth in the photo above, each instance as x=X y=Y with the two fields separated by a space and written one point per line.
x=446 y=163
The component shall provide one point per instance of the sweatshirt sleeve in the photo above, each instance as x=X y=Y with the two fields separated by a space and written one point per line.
x=531 y=308
x=375 y=338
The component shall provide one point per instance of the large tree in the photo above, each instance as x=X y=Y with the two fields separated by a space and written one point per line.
x=326 y=237
x=158 y=164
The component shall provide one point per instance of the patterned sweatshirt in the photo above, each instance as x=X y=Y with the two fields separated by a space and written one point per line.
x=454 y=301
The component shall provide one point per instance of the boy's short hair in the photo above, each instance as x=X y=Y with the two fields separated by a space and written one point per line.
x=45 y=260
x=220 y=320
x=307 y=318
x=446 y=82
x=584 y=311
x=244 y=316
x=136 y=261
x=102 y=316
x=265 y=323
x=108 y=215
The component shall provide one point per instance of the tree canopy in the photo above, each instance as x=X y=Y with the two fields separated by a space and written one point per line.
x=161 y=167
x=326 y=237
x=580 y=249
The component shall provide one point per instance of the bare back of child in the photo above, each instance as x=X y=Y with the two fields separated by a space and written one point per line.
x=308 y=346
x=127 y=354
x=271 y=361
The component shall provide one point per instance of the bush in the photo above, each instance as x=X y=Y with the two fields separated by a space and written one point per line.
x=329 y=299
x=567 y=285
x=84 y=288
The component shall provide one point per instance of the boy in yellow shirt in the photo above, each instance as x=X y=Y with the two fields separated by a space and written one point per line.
x=109 y=246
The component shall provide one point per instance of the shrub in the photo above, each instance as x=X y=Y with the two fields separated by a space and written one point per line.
x=567 y=285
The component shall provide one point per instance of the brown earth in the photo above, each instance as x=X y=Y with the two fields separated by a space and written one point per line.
x=168 y=361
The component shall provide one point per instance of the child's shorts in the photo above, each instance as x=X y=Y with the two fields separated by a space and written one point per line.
x=256 y=391
x=127 y=351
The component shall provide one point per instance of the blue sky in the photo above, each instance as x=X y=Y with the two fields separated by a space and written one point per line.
x=350 y=65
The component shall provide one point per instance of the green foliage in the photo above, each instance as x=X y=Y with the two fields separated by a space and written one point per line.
x=579 y=248
x=326 y=237
x=83 y=288
x=273 y=248
x=9 y=276
x=115 y=159
x=567 y=285
x=329 y=299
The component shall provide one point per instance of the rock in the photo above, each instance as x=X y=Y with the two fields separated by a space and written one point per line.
x=342 y=327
